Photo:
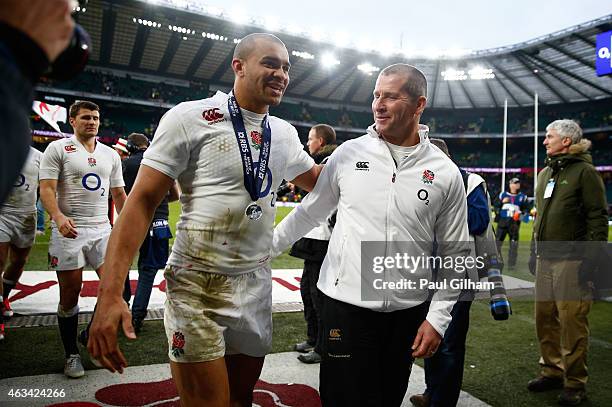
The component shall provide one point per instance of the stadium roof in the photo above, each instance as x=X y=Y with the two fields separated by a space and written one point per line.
x=137 y=36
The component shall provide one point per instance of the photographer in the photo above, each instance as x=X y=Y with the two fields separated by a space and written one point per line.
x=32 y=35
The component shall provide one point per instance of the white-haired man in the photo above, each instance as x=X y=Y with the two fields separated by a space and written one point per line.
x=571 y=204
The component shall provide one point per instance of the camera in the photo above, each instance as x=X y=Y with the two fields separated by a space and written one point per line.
x=500 y=306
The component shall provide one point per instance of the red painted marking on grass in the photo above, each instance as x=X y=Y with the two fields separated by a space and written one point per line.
x=161 y=286
x=139 y=394
x=27 y=290
x=285 y=284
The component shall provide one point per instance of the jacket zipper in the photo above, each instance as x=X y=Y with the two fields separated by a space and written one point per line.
x=387 y=226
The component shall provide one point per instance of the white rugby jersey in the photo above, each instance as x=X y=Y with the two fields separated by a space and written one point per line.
x=195 y=143
x=22 y=198
x=84 y=179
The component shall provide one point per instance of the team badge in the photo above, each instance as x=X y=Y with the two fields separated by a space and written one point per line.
x=91 y=161
x=178 y=343
x=256 y=140
x=53 y=262
x=428 y=177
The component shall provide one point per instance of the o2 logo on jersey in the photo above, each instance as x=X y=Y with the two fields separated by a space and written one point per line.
x=423 y=195
x=92 y=182
x=21 y=182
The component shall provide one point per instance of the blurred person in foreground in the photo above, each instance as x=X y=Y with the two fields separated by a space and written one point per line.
x=313 y=248
x=571 y=207
x=229 y=157
x=390 y=186
x=32 y=35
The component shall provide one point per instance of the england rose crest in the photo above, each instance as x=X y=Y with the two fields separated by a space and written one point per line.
x=178 y=343
x=428 y=177
x=256 y=140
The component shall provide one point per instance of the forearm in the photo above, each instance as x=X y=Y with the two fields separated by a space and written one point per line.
x=119 y=198
x=49 y=201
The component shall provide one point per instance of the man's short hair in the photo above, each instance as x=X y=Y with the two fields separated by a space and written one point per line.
x=416 y=83
x=566 y=128
x=82 y=104
x=515 y=181
x=441 y=144
x=139 y=140
x=326 y=132
x=247 y=44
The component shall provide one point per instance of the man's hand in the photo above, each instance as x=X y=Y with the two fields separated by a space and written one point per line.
x=532 y=263
x=102 y=344
x=426 y=342
x=66 y=227
x=46 y=22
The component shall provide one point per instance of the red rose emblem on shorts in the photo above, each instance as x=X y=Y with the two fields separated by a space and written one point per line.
x=178 y=343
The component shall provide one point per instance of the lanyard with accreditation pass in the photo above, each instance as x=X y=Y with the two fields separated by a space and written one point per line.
x=550 y=186
x=253 y=177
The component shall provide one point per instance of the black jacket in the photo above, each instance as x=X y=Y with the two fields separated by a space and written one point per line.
x=22 y=61
x=130 y=170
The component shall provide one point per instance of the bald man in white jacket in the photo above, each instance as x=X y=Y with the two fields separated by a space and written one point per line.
x=390 y=186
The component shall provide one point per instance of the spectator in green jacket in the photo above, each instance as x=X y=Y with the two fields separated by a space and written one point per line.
x=571 y=204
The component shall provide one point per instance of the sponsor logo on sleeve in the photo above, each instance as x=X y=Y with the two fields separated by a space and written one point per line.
x=213 y=116
x=362 y=166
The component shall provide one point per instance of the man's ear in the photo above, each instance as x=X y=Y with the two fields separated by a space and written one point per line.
x=567 y=141
x=238 y=66
x=421 y=103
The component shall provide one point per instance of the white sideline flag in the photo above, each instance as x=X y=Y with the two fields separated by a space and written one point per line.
x=50 y=113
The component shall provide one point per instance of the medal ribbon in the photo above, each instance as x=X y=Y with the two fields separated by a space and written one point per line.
x=253 y=177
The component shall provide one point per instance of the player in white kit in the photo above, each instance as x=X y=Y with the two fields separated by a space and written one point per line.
x=76 y=176
x=17 y=230
x=218 y=310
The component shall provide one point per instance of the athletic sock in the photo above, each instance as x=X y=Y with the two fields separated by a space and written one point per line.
x=68 y=322
x=7 y=286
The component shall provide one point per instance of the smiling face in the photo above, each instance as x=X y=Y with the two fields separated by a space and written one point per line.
x=263 y=76
x=396 y=113
x=86 y=123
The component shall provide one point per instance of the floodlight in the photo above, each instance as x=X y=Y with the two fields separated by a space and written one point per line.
x=328 y=60
x=368 y=68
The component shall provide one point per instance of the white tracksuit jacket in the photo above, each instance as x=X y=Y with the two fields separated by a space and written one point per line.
x=421 y=200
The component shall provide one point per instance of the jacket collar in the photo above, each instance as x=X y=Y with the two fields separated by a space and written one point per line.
x=577 y=152
x=423 y=133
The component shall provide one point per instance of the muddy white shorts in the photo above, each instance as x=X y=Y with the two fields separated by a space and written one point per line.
x=209 y=315
x=89 y=247
x=18 y=229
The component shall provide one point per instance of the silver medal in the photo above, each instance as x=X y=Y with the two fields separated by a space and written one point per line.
x=253 y=211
